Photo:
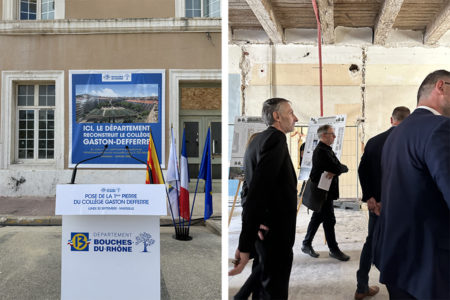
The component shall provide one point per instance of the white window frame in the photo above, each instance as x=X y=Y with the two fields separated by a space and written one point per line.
x=36 y=108
x=180 y=8
x=175 y=76
x=220 y=3
x=180 y=11
x=11 y=10
x=8 y=125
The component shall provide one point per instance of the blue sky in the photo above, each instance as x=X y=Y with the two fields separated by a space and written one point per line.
x=117 y=90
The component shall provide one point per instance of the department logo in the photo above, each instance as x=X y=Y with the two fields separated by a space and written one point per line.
x=79 y=241
x=116 y=77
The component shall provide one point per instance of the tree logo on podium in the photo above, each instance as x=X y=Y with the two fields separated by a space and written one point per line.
x=146 y=239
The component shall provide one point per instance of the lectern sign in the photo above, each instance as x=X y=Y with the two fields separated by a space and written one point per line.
x=110 y=247
x=110 y=199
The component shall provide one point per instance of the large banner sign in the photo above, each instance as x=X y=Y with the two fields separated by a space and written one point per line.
x=312 y=139
x=117 y=108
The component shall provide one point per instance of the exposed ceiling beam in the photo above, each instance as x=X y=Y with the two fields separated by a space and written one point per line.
x=264 y=13
x=326 y=15
x=438 y=27
x=385 y=20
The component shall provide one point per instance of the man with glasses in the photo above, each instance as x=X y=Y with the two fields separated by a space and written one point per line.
x=324 y=160
x=412 y=237
x=270 y=211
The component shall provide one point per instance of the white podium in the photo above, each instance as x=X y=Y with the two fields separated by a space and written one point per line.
x=110 y=240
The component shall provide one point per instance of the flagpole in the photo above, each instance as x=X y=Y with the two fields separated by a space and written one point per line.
x=193 y=202
x=170 y=206
x=185 y=175
x=176 y=181
x=178 y=198
x=198 y=177
x=164 y=181
x=210 y=166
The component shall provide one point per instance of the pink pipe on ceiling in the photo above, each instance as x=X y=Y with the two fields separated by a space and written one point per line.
x=319 y=38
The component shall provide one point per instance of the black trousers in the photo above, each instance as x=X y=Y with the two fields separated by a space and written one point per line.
x=365 y=262
x=325 y=216
x=270 y=275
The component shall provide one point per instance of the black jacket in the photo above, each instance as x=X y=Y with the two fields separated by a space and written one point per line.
x=412 y=237
x=369 y=170
x=272 y=191
x=324 y=159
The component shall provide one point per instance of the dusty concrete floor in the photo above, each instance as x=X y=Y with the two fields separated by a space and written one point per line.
x=322 y=278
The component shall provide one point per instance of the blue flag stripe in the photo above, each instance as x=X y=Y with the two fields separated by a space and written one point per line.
x=205 y=174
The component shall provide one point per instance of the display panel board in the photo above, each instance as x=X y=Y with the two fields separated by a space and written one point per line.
x=338 y=123
x=244 y=128
x=117 y=108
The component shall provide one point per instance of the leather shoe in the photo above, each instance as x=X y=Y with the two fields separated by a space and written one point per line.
x=338 y=254
x=310 y=251
x=372 y=291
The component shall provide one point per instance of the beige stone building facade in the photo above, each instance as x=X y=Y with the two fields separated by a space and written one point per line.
x=41 y=41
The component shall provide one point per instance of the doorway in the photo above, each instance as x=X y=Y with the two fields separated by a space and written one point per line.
x=200 y=108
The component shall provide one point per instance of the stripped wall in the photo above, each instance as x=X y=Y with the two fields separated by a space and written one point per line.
x=363 y=81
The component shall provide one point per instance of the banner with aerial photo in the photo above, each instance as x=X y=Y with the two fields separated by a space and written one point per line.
x=117 y=108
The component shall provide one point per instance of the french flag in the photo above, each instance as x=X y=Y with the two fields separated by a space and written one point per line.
x=184 y=178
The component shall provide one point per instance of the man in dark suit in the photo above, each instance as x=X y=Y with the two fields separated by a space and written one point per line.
x=324 y=160
x=412 y=237
x=370 y=178
x=269 y=212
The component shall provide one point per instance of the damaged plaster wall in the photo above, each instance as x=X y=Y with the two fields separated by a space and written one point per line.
x=292 y=77
x=393 y=76
x=363 y=81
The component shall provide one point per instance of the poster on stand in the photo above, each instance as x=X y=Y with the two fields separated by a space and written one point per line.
x=244 y=128
x=312 y=139
x=117 y=108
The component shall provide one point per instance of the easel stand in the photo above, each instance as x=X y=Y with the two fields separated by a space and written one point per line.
x=234 y=201
x=302 y=191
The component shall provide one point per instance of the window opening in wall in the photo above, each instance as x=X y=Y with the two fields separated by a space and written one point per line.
x=37 y=10
x=193 y=8
x=202 y=8
x=36 y=115
x=212 y=8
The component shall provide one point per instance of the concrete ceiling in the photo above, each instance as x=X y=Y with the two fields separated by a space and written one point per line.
x=274 y=17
